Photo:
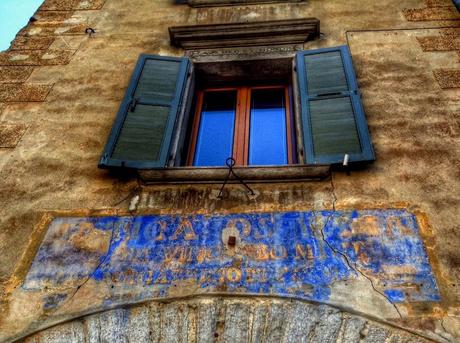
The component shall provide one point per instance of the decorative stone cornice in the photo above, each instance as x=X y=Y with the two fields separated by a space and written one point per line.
x=278 y=32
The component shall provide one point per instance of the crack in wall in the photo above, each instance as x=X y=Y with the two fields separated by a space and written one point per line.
x=441 y=322
x=344 y=255
x=97 y=267
x=136 y=191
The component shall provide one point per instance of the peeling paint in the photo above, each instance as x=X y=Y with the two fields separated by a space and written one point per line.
x=281 y=253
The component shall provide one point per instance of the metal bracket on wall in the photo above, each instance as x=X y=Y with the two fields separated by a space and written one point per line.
x=230 y=162
x=90 y=31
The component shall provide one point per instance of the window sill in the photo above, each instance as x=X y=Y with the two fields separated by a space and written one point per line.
x=211 y=3
x=248 y=174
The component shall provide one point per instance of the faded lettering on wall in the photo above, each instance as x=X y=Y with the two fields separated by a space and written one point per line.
x=298 y=254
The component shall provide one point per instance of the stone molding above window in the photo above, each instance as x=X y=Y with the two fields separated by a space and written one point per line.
x=262 y=33
x=210 y=3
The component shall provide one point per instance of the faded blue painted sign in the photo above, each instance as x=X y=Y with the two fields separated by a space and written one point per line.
x=298 y=254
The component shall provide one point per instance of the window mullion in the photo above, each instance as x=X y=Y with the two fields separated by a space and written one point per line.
x=289 y=130
x=195 y=128
x=247 y=111
x=239 y=140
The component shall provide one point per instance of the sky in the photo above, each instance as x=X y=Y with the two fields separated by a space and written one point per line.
x=14 y=15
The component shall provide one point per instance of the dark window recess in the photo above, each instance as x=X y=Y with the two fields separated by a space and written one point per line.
x=152 y=128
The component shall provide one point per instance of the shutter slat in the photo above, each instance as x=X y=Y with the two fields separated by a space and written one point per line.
x=333 y=119
x=325 y=73
x=158 y=80
x=334 y=126
x=142 y=133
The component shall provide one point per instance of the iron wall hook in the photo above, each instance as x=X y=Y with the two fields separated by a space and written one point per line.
x=230 y=163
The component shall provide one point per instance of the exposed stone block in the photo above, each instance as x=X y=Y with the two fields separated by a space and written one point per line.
x=35 y=57
x=18 y=92
x=402 y=338
x=50 y=17
x=93 y=328
x=68 y=5
x=258 y=323
x=352 y=329
x=112 y=326
x=31 y=43
x=138 y=329
x=141 y=323
x=68 y=332
x=59 y=5
x=440 y=43
x=11 y=134
x=438 y=3
x=207 y=322
x=450 y=31
x=58 y=29
x=328 y=327
x=375 y=334
x=90 y=4
x=236 y=323
x=171 y=324
x=154 y=321
x=432 y=13
x=276 y=317
x=448 y=78
x=12 y=74
x=302 y=320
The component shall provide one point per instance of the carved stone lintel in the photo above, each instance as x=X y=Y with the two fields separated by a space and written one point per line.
x=243 y=53
x=262 y=33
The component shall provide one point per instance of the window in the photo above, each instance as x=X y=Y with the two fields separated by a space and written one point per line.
x=250 y=124
x=253 y=124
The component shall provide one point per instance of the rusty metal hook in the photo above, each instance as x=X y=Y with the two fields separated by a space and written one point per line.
x=230 y=163
x=89 y=31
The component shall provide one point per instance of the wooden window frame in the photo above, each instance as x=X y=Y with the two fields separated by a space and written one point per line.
x=240 y=149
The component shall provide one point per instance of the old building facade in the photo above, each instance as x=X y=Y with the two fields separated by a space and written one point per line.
x=119 y=225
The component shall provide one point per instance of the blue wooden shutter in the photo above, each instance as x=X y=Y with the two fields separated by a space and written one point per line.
x=142 y=132
x=333 y=119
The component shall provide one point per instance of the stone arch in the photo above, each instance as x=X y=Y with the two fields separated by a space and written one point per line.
x=224 y=319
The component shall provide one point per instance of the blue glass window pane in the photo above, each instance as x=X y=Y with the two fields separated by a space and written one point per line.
x=215 y=135
x=267 y=135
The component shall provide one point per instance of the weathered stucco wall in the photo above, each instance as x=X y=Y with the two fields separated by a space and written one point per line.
x=60 y=89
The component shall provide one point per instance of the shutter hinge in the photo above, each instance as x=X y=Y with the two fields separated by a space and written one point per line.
x=104 y=159
x=133 y=104
x=171 y=160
